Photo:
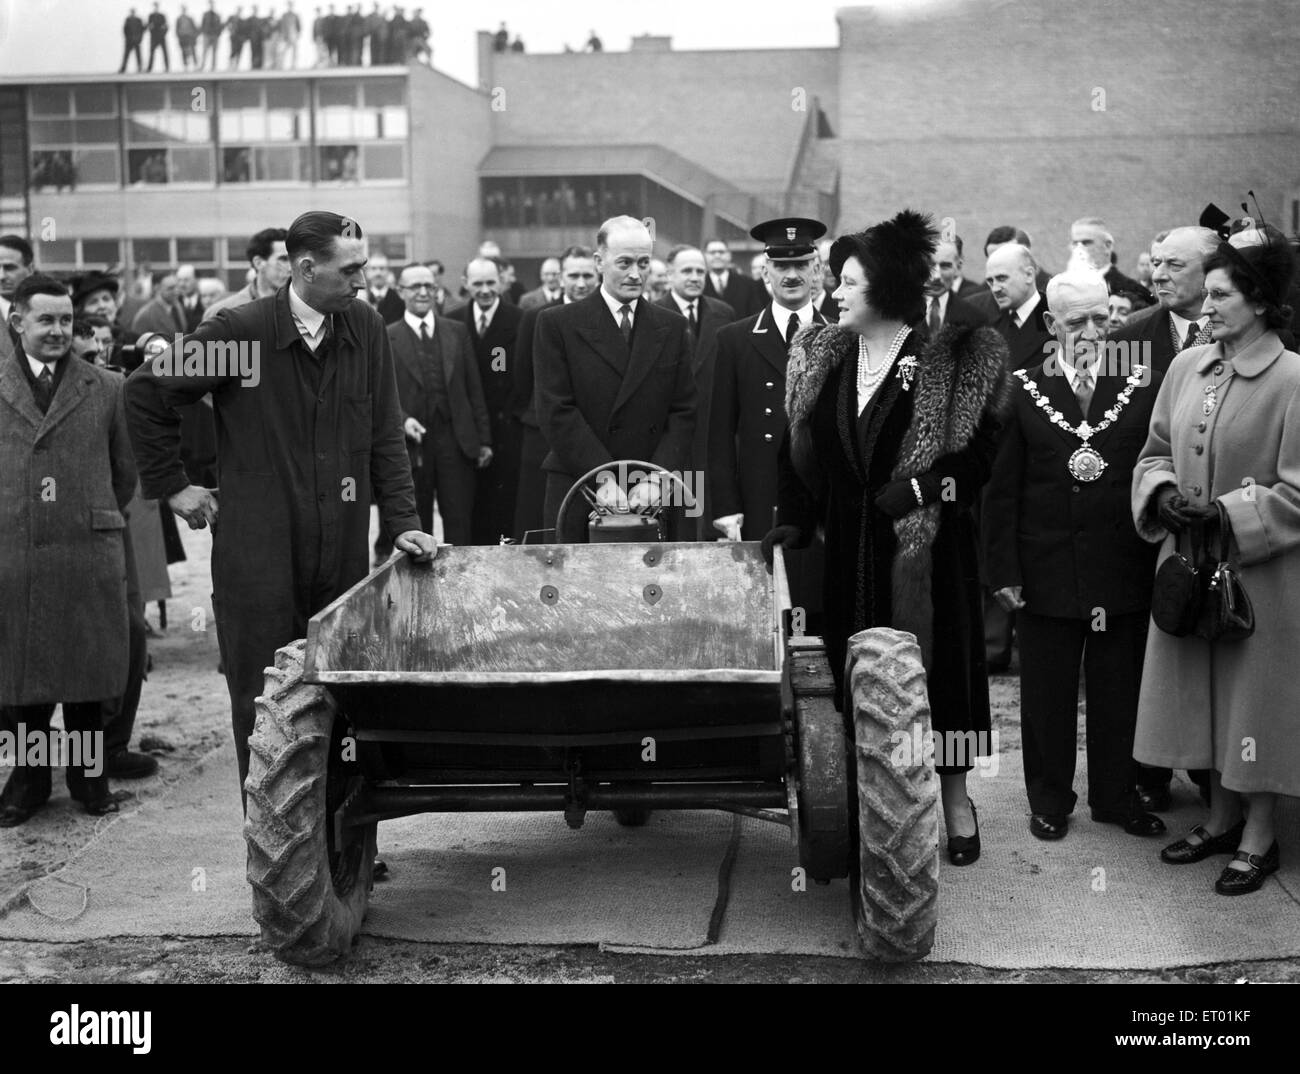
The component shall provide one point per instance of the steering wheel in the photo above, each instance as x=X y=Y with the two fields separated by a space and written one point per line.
x=619 y=468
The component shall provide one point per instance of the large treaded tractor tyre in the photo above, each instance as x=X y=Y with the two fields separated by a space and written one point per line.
x=896 y=886
x=309 y=895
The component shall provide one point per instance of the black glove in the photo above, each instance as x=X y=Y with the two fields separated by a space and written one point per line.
x=1173 y=510
x=896 y=499
x=787 y=537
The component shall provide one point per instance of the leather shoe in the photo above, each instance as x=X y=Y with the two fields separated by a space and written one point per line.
x=1048 y=825
x=101 y=806
x=1243 y=881
x=1154 y=799
x=124 y=764
x=11 y=816
x=1136 y=823
x=965 y=849
x=1184 y=852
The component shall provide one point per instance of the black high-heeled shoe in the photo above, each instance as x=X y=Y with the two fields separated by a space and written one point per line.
x=1184 y=852
x=1243 y=881
x=965 y=849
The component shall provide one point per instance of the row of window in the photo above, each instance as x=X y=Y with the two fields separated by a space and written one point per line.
x=586 y=201
x=240 y=132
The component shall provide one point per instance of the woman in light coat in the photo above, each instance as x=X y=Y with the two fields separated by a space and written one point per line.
x=1226 y=435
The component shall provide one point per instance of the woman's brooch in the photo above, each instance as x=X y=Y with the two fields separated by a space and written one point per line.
x=907 y=370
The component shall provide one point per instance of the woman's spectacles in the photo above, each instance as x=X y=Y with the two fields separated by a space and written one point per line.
x=1220 y=296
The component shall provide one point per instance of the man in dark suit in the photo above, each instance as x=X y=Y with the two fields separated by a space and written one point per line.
x=1153 y=336
x=1061 y=551
x=960 y=285
x=705 y=317
x=157 y=26
x=162 y=313
x=493 y=327
x=578 y=279
x=384 y=298
x=742 y=294
x=550 y=293
x=66 y=473
x=942 y=306
x=746 y=417
x=187 y=283
x=308 y=421
x=613 y=381
x=1090 y=236
x=1011 y=277
x=444 y=415
x=1005 y=233
x=132 y=35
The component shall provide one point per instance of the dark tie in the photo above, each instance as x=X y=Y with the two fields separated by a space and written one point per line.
x=1195 y=335
x=625 y=323
x=424 y=331
x=44 y=391
x=935 y=322
x=482 y=325
x=327 y=339
x=1083 y=389
x=690 y=319
x=791 y=329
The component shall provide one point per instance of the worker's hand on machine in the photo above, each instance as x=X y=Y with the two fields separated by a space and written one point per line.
x=788 y=537
x=413 y=430
x=646 y=494
x=421 y=547
x=730 y=526
x=610 y=494
x=1009 y=597
x=195 y=504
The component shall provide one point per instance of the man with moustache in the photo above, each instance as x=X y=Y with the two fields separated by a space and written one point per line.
x=444 y=416
x=741 y=294
x=613 y=381
x=747 y=419
x=578 y=279
x=1079 y=581
x=942 y=306
x=550 y=293
x=300 y=445
x=493 y=326
x=1154 y=336
x=66 y=474
x=705 y=317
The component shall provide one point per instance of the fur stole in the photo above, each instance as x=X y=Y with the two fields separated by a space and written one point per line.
x=959 y=376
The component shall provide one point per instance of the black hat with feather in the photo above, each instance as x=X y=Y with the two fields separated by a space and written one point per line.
x=895 y=257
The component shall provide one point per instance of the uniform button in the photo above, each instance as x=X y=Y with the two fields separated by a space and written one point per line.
x=1196 y=490
x=768 y=385
x=321 y=497
x=768 y=411
x=1074 y=488
x=1198 y=448
x=767 y=436
x=1200 y=427
x=320 y=455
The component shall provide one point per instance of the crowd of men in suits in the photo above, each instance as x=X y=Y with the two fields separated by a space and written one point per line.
x=350 y=38
x=505 y=396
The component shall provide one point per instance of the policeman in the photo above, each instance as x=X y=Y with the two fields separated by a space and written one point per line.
x=747 y=418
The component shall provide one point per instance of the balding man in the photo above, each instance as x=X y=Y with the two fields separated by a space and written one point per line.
x=1157 y=334
x=613 y=379
x=1090 y=236
x=550 y=293
x=1010 y=274
x=1079 y=582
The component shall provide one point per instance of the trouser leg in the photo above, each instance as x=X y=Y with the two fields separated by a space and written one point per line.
x=1050 y=651
x=1112 y=663
x=453 y=478
x=88 y=781
x=120 y=712
x=28 y=786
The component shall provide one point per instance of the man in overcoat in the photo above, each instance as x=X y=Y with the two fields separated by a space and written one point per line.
x=1059 y=551
x=613 y=379
x=66 y=473
x=307 y=426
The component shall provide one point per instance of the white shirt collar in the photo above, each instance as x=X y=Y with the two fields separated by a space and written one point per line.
x=781 y=315
x=4 y=313
x=684 y=304
x=415 y=322
x=379 y=293
x=36 y=366
x=955 y=289
x=1181 y=323
x=553 y=296
x=720 y=279
x=309 y=322
x=1025 y=310
x=489 y=313
x=615 y=304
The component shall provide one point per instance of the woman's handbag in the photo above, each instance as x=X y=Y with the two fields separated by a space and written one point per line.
x=1227 y=614
x=1179 y=591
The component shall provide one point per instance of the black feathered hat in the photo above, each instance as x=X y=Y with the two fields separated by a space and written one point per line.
x=895 y=255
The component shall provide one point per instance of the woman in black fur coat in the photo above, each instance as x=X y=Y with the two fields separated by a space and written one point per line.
x=891 y=440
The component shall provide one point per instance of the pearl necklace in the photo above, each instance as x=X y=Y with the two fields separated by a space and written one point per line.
x=869 y=380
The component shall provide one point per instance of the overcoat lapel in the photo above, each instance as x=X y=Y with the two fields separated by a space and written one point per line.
x=769 y=341
x=647 y=341
x=602 y=334
x=72 y=390
x=15 y=391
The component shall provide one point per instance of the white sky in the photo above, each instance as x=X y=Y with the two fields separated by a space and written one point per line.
x=85 y=36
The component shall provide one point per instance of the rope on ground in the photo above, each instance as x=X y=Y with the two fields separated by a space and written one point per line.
x=724 y=881
x=61 y=919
